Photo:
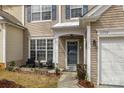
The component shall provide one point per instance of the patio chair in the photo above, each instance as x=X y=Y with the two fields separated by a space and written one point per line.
x=30 y=63
x=50 y=64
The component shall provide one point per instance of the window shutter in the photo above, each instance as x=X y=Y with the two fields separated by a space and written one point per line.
x=85 y=9
x=67 y=11
x=53 y=12
x=28 y=13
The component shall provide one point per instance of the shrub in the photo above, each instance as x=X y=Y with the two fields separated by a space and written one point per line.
x=57 y=71
x=81 y=71
x=86 y=84
x=12 y=63
x=11 y=66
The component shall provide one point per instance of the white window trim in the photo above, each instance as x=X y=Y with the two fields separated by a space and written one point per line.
x=71 y=40
x=36 y=38
x=41 y=16
x=114 y=32
x=74 y=18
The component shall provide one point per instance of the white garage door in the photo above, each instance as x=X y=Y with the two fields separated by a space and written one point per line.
x=112 y=61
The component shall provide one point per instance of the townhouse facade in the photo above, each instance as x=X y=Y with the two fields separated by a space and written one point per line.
x=54 y=31
x=71 y=34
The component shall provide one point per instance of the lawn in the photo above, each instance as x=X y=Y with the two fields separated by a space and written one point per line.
x=30 y=80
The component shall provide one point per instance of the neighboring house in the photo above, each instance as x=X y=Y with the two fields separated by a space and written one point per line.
x=105 y=29
x=69 y=35
x=11 y=40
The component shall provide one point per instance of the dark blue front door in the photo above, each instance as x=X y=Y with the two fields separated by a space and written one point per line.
x=72 y=47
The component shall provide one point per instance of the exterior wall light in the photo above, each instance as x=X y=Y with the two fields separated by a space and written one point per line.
x=94 y=43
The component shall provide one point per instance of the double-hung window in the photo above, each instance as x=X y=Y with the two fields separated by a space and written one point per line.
x=39 y=13
x=76 y=11
x=41 y=49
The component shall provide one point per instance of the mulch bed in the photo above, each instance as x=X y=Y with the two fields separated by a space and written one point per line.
x=9 y=84
x=46 y=73
x=86 y=84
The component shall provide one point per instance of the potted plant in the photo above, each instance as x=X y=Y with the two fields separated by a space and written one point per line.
x=57 y=71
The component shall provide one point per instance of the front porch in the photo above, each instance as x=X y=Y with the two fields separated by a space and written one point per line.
x=70 y=51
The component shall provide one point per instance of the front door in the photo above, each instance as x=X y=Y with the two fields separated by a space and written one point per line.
x=72 y=55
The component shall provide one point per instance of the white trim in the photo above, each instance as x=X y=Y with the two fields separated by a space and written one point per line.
x=56 y=50
x=29 y=47
x=66 y=25
x=4 y=43
x=23 y=14
x=46 y=50
x=41 y=21
x=94 y=10
x=71 y=40
x=84 y=49
x=89 y=52
x=68 y=32
x=60 y=19
x=74 y=18
x=98 y=63
x=37 y=38
x=40 y=15
x=110 y=32
x=106 y=32
x=40 y=37
x=36 y=50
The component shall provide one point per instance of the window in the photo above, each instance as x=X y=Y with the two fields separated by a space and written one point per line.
x=76 y=10
x=41 y=49
x=43 y=12
x=46 y=12
x=32 y=49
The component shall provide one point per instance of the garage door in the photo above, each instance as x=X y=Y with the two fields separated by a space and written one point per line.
x=112 y=61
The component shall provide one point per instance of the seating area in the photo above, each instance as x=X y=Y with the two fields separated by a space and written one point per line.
x=32 y=64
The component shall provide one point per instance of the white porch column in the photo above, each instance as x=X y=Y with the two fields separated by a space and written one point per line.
x=4 y=43
x=56 y=50
x=89 y=52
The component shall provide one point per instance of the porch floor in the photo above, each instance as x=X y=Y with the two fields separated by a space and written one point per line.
x=68 y=80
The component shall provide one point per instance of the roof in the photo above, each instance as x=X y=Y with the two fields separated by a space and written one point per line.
x=10 y=18
x=95 y=13
x=66 y=25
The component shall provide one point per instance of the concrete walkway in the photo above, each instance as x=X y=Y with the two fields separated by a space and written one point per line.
x=68 y=80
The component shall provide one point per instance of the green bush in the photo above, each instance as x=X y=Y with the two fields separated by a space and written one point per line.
x=12 y=63
x=11 y=66
x=57 y=71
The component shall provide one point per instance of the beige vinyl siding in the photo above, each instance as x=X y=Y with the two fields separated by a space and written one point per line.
x=112 y=18
x=14 y=44
x=42 y=28
x=15 y=10
x=1 y=45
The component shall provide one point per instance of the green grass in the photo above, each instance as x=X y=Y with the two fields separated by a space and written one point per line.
x=30 y=80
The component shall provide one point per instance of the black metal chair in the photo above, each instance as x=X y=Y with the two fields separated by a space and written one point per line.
x=30 y=63
x=50 y=64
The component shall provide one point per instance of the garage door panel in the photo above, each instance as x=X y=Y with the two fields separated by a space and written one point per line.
x=112 y=61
